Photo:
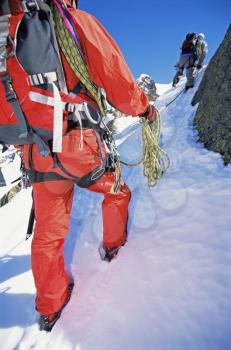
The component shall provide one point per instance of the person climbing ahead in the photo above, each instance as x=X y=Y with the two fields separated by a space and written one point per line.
x=202 y=49
x=187 y=61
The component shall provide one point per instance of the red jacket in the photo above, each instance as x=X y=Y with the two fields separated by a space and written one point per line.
x=107 y=66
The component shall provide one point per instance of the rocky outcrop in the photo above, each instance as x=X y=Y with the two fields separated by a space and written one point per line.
x=213 y=116
x=147 y=84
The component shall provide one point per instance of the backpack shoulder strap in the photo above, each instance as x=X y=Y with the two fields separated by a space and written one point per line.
x=73 y=54
x=60 y=72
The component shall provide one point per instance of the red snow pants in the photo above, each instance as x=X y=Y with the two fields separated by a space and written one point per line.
x=53 y=203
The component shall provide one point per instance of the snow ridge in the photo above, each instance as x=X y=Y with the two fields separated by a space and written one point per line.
x=169 y=288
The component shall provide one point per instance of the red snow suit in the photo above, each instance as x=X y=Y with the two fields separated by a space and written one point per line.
x=53 y=197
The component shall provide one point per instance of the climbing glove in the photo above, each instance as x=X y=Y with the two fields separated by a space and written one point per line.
x=150 y=113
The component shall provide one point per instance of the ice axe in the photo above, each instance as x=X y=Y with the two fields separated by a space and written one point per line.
x=30 y=223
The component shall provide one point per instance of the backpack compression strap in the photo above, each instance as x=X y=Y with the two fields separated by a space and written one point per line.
x=24 y=129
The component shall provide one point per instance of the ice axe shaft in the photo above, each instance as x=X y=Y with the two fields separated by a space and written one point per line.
x=30 y=223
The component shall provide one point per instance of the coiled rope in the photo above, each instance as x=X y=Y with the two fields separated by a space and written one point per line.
x=155 y=160
x=75 y=59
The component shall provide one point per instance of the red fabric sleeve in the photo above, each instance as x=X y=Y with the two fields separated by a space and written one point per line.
x=107 y=66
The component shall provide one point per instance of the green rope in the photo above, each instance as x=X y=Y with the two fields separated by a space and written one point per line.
x=155 y=160
x=75 y=60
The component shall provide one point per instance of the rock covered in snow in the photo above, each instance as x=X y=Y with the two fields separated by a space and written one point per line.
x=147 y=84
x=7 y=154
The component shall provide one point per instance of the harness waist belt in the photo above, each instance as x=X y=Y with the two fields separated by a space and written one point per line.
x=75 y=124
x=36 y=176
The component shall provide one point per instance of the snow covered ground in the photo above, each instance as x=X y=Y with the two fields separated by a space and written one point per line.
x=9 y=168
x=169 y=288
x=162 y=88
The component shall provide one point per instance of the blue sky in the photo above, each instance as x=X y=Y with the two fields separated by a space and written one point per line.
x=150 y=32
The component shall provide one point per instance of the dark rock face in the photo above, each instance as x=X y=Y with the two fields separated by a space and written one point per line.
x=213 y=117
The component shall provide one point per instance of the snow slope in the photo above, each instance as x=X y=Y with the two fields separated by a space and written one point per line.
x=162 y=88
x=9 y=169
x=169 y=288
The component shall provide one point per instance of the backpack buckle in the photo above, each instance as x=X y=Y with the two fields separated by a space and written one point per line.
x=30 y=5
x=9 y=91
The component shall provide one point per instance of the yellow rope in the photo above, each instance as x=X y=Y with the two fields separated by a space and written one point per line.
x=75 y=60
x=155 y=160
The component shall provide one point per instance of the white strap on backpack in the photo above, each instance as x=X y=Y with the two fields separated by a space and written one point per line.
x=58 y=118
x=55 y=102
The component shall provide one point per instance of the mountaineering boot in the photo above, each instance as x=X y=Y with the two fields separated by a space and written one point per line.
x=175 y=81
x=47 y=322
x=187 y=88
x=108 y=254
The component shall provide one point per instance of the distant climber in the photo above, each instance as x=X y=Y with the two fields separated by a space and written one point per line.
x=188 y=60
x=202 y=49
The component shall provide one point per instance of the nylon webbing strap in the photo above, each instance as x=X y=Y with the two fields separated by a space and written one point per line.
x=36 y=176
x=88 y=179
x=84 y=182
x=50 y=101
x=12 y=99
x=42 y=78
x=60 y=71
x=73 y=56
